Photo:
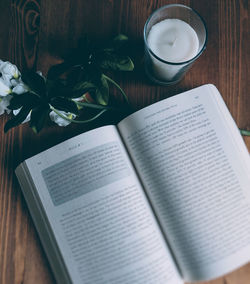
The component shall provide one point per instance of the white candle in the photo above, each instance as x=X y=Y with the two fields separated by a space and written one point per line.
x=172 y=40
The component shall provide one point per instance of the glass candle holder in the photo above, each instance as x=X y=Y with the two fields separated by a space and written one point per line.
x=174 y=37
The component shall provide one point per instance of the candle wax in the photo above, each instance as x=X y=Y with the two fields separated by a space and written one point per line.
x=172 y=40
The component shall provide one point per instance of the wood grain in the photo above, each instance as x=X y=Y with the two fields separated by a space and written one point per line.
x=36 y=33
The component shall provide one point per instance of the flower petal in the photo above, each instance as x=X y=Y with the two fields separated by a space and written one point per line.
x=59 y=120
x=6 y=78
x=20 y=89
x=16 y=111
x=4 y=103
x=14 y=82
x=7 y=68
x=4 y=89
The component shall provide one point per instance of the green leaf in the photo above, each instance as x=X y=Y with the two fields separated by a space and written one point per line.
x=245 y=132
x=58 y=88
x=35 y=82
x=57 y=70
x=75 y=75
x=117 y=86
x=76 y=93
x=117 y=62
x=102 y=91
x=85 y=87
x=116 y=43
x=28 y=99
x=99 y=89
x=18 y=119
x=65 y=105
x=120 y=40
x=39 y=117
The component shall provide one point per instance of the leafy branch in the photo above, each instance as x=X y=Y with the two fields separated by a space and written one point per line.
x=63 y=94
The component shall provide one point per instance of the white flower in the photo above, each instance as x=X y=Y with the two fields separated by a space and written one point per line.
x=4 y=103
x=20 y=88
x=10 y=80
x=7 y=79
x=16 y=111
x=8 y=69
x=4 y=88
x=14 y=82
x=59 y=120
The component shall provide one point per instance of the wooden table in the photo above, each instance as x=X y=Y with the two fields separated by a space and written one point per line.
x=34 y=33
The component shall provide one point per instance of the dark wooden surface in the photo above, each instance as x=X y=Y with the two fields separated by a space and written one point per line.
x=34 y=33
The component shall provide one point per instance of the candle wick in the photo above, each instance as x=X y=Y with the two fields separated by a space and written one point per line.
x=174 y=41
x=171 y=43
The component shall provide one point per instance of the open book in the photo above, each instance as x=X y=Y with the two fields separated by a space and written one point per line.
x=163 y=197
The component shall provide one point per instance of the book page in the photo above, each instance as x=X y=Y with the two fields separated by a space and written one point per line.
x=195 y=169
x=102 y=223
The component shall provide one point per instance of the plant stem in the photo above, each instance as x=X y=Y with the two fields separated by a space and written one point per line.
x=245 y=132
x=77 y=121
x=117 y=86
x=96 y=106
